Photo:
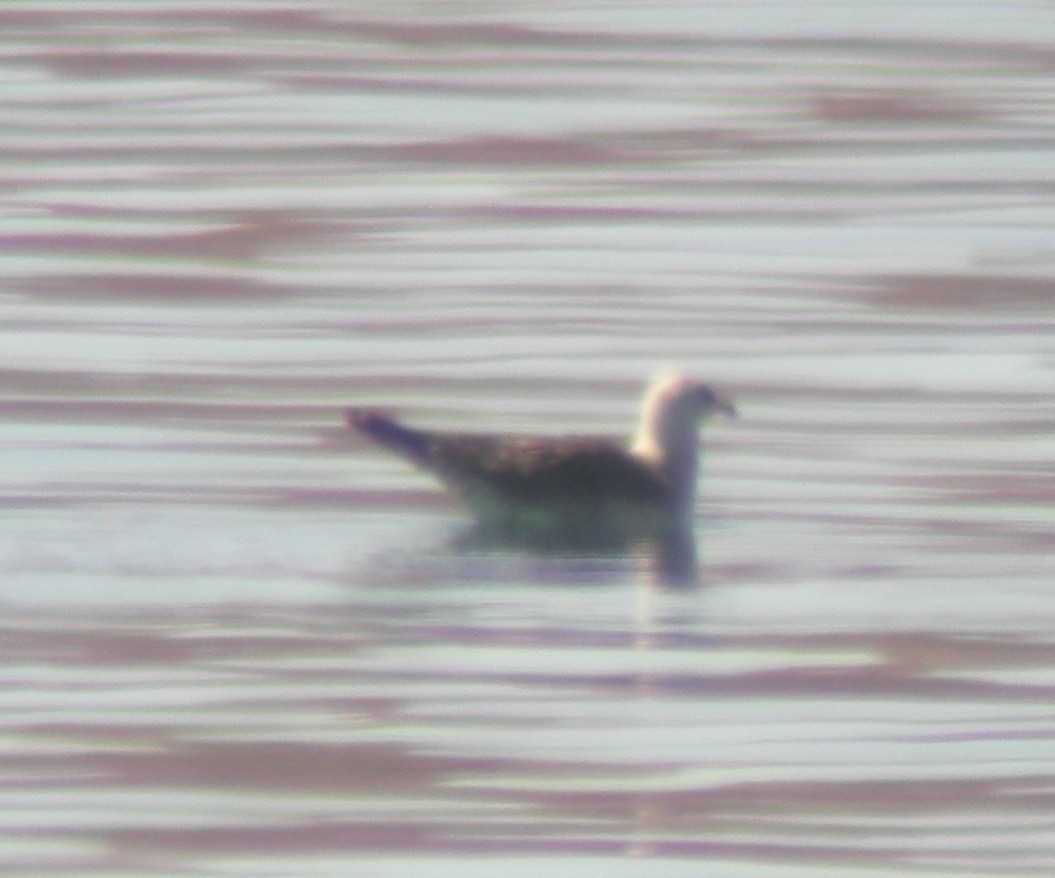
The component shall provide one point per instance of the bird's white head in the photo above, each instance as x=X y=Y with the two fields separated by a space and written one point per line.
x=674 y=408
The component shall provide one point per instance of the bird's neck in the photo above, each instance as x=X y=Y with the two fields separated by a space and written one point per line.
x=674 y=455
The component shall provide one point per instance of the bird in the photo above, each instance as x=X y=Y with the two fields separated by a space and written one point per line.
x=569 y=487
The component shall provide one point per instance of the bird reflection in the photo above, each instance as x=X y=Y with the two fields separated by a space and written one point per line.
x=666 y=557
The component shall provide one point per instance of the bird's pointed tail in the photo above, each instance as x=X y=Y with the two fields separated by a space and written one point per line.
x=385 y=431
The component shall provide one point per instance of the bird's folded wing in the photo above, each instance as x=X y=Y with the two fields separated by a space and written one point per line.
x=546 y=470
x=524 y=470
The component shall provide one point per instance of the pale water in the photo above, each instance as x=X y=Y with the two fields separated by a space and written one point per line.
x=237 y=641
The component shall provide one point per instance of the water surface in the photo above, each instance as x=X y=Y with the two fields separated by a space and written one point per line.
x=236 y=640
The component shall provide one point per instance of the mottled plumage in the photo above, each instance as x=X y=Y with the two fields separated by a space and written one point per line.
x=568 y=484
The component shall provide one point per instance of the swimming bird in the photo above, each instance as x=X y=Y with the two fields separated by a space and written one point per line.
x=569 y=486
